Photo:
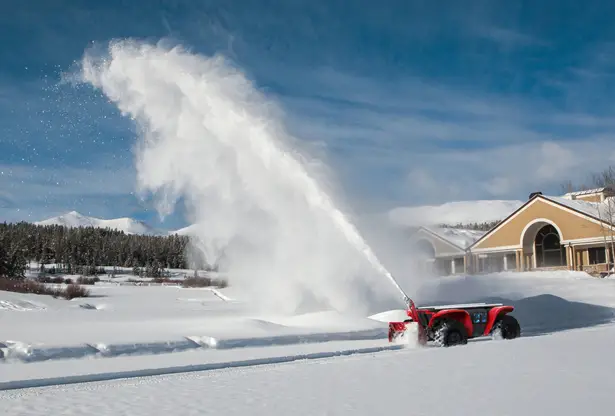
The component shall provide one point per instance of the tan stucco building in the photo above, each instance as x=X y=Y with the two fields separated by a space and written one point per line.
x=575 y=231
x=571 y=232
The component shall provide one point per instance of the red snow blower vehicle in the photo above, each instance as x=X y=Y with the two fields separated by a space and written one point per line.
x=450 y=325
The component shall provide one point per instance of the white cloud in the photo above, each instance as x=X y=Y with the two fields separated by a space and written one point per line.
x=556 y=161
x=33 y=193
x=498 y=186
x=422 y=180
x=440 y=144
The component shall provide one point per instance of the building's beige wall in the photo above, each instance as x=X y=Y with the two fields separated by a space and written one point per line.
x=571 y=225
x=590 y=198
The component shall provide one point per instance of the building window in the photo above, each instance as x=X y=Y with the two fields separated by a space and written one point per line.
x=459 y=265
x=493 y=263
x=511 y=261
x=597 y=255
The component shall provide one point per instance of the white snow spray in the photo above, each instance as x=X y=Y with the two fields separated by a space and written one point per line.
x=209 y=138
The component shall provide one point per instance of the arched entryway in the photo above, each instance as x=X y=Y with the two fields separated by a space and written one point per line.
x=425 y=255
x=548 y=249
x=425 y=250
x=543 y=241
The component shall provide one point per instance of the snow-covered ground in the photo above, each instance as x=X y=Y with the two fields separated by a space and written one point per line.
x=230 y=360
x=566 y=374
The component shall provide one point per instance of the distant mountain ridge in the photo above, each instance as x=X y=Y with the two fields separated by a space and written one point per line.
x=75 y=219
x=457 y=212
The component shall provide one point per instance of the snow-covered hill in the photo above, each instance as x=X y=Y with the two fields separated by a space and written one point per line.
x=464 y=212
x=190 y=230
x=75 y=219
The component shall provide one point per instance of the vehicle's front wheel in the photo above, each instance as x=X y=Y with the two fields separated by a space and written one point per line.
x=449 y=333
x=506 y=327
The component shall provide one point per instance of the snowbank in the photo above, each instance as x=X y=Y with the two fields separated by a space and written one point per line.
x=24 y=352
x=133 y=321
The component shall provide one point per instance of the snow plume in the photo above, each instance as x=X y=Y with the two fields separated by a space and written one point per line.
x=208 y=137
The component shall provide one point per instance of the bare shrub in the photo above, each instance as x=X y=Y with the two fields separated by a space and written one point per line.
x=24 y=286
x=220 y=283
x=197 y=282
x=48 y=279
x=75 y=291
x=161 y=280
x=37 y=288
x=82 y=280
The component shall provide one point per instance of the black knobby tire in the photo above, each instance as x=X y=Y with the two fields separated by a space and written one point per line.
x=506 y=327
x=449 y=333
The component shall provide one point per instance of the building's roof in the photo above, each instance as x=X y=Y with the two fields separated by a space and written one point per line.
x=604 y=211
x=588 y=192
x=601 y=211
x=460 y=237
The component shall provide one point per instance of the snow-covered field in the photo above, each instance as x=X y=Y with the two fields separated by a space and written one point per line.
x=155 y=350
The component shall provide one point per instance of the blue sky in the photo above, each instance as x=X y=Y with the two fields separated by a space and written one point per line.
x=411 y=102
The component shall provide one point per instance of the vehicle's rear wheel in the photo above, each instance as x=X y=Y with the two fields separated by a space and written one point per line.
x=449 y=333
x=506 y=327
